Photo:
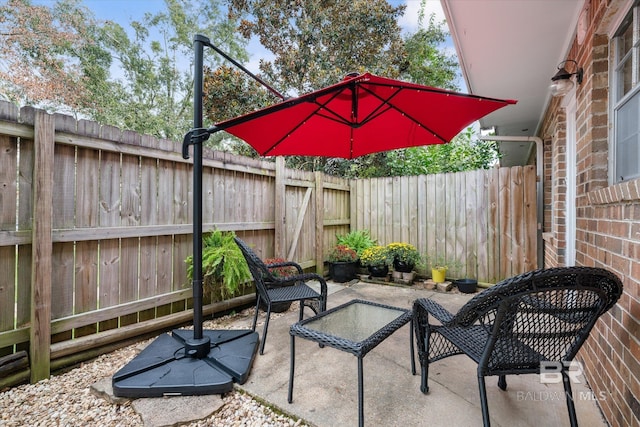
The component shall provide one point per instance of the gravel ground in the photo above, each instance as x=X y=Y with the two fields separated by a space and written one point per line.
x=66 y=399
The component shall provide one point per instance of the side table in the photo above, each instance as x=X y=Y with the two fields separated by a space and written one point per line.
x=356 y=327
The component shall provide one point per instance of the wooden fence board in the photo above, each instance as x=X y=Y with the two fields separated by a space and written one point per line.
x=482 y=231
x=62 y=263
x=8 y=199
x=493 y=225
x=430 y=216
x=516 y=217
x=63 y=186
x=506 y=254
x=86 y=282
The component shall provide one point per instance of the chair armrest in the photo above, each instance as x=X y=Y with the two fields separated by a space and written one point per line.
x=286 y=264
x=433 y=308
x=303 y=278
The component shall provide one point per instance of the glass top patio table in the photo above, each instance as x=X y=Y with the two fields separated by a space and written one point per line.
x=355 y=327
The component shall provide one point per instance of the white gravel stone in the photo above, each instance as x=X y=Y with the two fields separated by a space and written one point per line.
x=66 y=400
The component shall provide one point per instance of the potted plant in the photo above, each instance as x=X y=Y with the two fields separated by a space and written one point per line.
x=358 y=240
x=375 y=259
x=403 y=256
x=224 y=268
x=439 y=267
x=343 y=263
x=279 y=271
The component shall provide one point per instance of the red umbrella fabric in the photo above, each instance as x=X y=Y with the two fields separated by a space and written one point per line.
x=361 y=115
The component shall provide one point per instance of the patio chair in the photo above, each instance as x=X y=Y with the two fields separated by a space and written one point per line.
x=538 y=318
x=271 y=290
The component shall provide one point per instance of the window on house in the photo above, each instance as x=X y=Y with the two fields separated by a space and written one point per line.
x=626 y=97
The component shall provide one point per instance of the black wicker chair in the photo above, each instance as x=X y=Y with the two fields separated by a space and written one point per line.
x=271 y=290
x=541 y=316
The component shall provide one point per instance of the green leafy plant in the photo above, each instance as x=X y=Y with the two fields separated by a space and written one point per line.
x=374 y=256
x=358 y=240
x=403 y=252
x=223 y=265
x=342 y=253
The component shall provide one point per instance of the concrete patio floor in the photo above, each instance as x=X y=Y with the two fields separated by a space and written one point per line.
x=326 y=392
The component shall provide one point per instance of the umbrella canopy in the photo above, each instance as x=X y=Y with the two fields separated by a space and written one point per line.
x=362 y=114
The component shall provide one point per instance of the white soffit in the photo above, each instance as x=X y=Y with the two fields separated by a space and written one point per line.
x=510 y=49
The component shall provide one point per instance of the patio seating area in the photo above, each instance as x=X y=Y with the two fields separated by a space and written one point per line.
x=326 y=388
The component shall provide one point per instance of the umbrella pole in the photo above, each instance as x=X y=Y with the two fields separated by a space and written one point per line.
x=186 y=362
x=198 y=346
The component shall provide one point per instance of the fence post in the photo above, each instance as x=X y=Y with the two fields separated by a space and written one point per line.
x=319 y=214
x=40 y=331
x=280 y=241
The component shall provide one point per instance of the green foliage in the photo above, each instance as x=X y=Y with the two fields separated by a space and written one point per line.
x=155 y=95
x=462 y=154
x=427 y=63
x=316 y=43
x=222 y=263
x=73 y=53
x=358 y=240
x=48 y=54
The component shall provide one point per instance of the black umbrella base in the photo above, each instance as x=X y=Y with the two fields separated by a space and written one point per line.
x=164 y=368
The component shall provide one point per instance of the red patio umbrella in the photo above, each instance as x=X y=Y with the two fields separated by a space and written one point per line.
x=362 y=114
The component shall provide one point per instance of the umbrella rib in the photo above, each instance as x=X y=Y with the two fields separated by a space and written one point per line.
x=301 y=122
x=386 y=102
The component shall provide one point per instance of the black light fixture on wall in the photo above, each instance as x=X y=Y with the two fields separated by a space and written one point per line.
x=562 y=82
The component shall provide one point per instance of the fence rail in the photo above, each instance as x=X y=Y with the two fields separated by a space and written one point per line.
x=95 y=225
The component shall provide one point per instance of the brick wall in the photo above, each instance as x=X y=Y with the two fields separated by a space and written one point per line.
x=607 y=223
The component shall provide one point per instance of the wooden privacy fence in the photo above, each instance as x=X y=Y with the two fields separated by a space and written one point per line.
x=95 y=225
x=484 y=221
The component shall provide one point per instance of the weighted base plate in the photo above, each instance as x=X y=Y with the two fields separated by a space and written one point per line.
x=163 y=368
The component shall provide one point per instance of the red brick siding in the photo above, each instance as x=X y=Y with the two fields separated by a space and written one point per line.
x=607 y=225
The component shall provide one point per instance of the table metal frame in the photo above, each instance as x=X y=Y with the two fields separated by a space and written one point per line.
x=359 y=348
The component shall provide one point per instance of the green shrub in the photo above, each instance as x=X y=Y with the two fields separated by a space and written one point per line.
x=358 y=240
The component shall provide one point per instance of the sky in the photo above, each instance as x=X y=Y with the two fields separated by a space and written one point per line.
x=125 y=11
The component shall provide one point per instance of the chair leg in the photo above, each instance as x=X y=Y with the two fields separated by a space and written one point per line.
x=569 y=396
x=483 y=401
x=301 y=315
x=255 y=315
x=424 y=373
x=423 y=355
x=264 y=330
x=502 y=382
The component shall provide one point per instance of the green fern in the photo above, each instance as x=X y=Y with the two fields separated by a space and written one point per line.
x=222 y=262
